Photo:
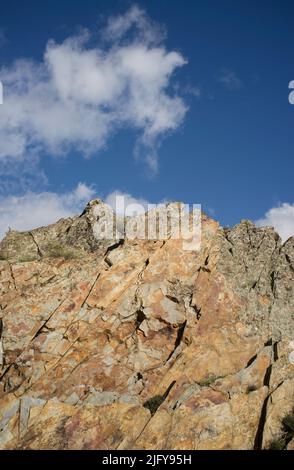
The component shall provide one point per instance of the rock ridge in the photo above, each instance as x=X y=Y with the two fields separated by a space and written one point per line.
x=140 y=344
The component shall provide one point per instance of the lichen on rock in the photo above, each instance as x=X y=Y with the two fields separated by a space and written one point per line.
x=141 y=343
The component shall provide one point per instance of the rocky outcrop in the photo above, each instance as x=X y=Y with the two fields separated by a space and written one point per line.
x=138 y=344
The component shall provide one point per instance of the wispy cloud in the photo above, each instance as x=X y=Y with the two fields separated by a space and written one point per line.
x=281 y=218
x=230 y=80
x=135 y=20
x=79 y=95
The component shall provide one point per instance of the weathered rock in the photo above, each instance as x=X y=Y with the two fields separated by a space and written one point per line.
x=142 y=343
x=68 y=238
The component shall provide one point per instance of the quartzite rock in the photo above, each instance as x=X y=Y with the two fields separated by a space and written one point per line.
x=142 y=344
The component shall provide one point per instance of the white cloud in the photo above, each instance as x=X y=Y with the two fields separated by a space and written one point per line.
x=34 y=209
x=37 y=209
x=135 y=18
x=230 y=80
x=78 y=96
x=281 y=218
x=130 y=203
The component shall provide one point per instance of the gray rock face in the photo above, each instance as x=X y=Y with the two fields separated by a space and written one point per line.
x=72 y=237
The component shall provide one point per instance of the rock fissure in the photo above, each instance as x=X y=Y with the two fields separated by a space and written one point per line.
x=179 y=338
x=39 y=252
x=258 y=441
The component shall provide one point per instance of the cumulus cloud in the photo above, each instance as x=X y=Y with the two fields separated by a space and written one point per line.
x=37 y=209
x=79 y=95
x=281 y=218
x=230 y=80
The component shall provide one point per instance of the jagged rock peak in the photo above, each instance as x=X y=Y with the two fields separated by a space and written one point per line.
x=141 y=344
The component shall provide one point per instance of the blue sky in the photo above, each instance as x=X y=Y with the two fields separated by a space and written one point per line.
x=225 y=139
